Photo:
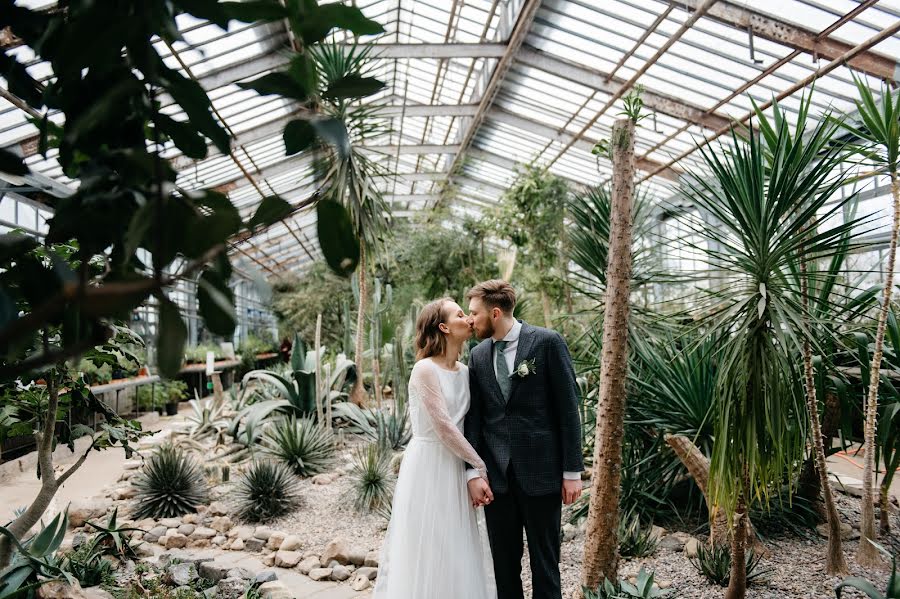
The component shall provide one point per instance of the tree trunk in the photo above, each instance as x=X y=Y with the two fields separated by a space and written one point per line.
x=885 y=512
x=601 y=540
x=808 y=485
x=548 y=313
x=358 y=394
x=867 y=555
x=834 y=563
x=697 y=466
x=737 y=583
x=320 y=414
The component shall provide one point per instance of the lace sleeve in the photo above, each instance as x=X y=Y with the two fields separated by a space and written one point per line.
x=424 y=378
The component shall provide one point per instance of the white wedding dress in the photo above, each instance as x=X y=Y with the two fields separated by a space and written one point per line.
x=436 y=545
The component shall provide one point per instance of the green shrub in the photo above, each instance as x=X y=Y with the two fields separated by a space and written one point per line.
x=266 y=491
x=393 y=431
x=170 y=485
x=301 y=444
x=622 y=589
x=635 y=538
x=87 y=565
x=714 y=563
x=372 y=478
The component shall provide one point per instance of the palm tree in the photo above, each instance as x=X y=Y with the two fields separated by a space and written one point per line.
x=880 y=130
x=346 y=175
x=760 y=197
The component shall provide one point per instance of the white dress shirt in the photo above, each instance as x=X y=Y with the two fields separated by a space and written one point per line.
x=509 y=354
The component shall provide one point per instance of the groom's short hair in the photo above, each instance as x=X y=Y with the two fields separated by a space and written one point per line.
x=495 y=293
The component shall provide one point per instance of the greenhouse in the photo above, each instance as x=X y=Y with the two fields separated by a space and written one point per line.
x=493 y=299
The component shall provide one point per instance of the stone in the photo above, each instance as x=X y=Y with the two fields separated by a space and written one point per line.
x=200 y=543
x=237 y=545
x=309 y=564
x=145 y=524
x=360 y=583
x=357 y=557
x=274 y=541
x=255 y=545
x=181 y=574
x=241 y=532
x=170 y=522
x=239 y=573
x=82 y=510
x=691 y=547
x=266 y=576
x=291 y=543
x=202 y=532
x=371 y=559
x=176 y=541
x=143 y=550
x=657 y=532
x=186 y=529
x=274 y=589
x=191 y=518
x=221 y=523
x=217 y=508
x=335 y=550
x=214 y=572
x=672 y=543
x=79 y=539
x=269 y=560
x=154 y=533
x=124 y=493
x=340 y=573
x=368 y=571
x=569 y=532
x=97 y=593
x=231 y=588
x=162 y=540
x=211 y=592
x=219 y=540
x=322 y=479
x=320 y=573
x=664 y=584
x=287 y=559
x=262 y=532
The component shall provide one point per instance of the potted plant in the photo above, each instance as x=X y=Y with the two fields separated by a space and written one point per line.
x=175 y=391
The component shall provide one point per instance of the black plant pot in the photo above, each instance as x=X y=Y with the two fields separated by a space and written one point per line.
x=172 y=408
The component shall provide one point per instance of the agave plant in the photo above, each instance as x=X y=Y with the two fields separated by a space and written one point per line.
x=714 y=563
x=113 y=539
x=170 y=485
x=892 y=590
x=266 y=491
x=373 y=478
x=34 y=563
x=301 y=444
x=393 y=431
x=636 y=539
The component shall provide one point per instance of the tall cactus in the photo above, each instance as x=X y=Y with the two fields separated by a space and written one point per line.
x=400 y=376
x=348 y=337
x=382 y=300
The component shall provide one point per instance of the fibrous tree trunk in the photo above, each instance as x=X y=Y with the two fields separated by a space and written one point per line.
x=834 y=563
x=737 y=583
x=867 y=554
x=358 y=394
x=601 y=540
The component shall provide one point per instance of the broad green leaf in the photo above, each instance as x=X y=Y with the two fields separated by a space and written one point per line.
x=184 y=136
x=336 y=237
x=193 y=99
x=353 y=86
x=172 y=336
x=280 y=83
x=12 y=164
x=299 y=135
x=350 y=18
x=272 y=209
x=216 y=304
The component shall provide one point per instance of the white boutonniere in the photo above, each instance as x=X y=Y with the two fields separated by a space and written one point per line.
x=524 y=368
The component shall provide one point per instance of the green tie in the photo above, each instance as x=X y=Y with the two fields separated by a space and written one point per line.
x=502 y=369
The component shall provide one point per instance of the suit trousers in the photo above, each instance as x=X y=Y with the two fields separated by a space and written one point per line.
x=539 y=516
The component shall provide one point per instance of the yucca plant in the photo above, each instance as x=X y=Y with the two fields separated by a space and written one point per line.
x=266 y=491
x=891 y=591
x=170 y=485
x=113 y=539
x=714 y=563
x=636 y=539
x=372 y=478
x=301 y=444
x=765 y=202
x=393 y=431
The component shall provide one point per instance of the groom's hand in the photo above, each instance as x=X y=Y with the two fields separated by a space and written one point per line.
x=480 y=492
x=571 y=491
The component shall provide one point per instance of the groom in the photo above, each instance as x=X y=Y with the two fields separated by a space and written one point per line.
x=524 y=423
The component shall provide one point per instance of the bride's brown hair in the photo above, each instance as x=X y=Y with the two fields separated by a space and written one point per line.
x=430 y=341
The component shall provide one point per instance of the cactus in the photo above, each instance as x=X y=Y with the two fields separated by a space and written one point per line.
x=400 y=375
x=380 y=305
x=348 y=338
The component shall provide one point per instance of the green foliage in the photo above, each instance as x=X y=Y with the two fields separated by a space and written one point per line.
x=34 y=560
x=113 y=539
x=88 y=565
x=301 y=444
x=635 y=538
x=170 y=485
x=156 y=395
x=880 y=126
x=266 y=491
x=372 y=478
x=297 y=301
x=714 y=563
x=392 y=431
x=622 y=589
x=892 y=590
x=197 y=353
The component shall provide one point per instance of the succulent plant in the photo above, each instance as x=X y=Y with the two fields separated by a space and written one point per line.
x=373 y=478
x=266 y=491
x=301 y=444
x=171 y=485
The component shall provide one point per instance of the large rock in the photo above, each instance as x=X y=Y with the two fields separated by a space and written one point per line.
x=336 y=550
x=97 y=593
x=217 y=508
x=214 y=572
x=368 y=571
x=274 y=541
x=155 y=533
x=848 y=533
x=322 y=479
x=360 y=583
x=269 y=560
x=176 y=541
x=266 y=576
x=357 y=557
x=202 y=532
x=340 y=573
x=82 y=510
x=58 y=589
x=231 y=588
x=262 y=532
x=241 y=532
x=191 y=519
x=691 y=547
x=186 y=529
x=291 y=543
x=569 y=531
x=255 y=545
x=124 y=493
x=309 y=564
x=237 y=545
x=371 y=559
x=170 y=522
x=320 y=573
x=221 y=523
x=180 y=575
x=287 y=559
x=143 y=550
x=275 y=590
x=672 y=543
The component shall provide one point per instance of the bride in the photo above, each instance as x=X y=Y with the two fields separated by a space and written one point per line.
x=435 y=545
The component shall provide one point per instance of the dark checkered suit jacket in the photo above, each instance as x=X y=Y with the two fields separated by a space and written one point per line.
x=538 y=429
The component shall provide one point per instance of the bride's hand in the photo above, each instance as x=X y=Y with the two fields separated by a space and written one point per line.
x=480 y=492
